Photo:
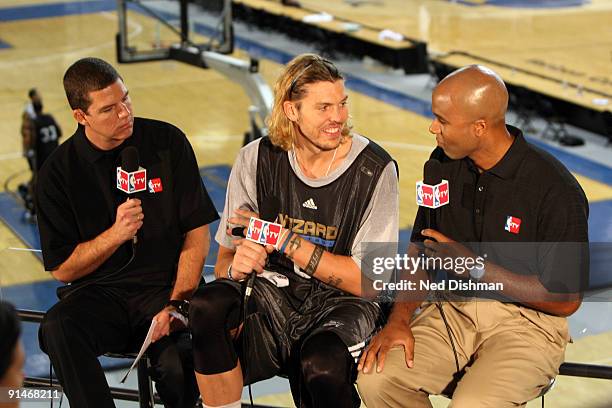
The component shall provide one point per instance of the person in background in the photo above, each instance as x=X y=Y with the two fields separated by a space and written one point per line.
x=28 y=134
x=41 y=142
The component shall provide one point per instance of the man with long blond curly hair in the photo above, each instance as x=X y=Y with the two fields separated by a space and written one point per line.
x=334 y=190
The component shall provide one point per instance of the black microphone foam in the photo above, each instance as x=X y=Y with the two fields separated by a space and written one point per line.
x=432 y=172
x=270 y=206
x=238 y=232
x=129 y=159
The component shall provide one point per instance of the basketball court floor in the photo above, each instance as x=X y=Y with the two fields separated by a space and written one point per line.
x=39 y=39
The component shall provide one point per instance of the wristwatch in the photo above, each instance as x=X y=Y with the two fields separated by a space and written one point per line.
x=181 y=306
x=477 y=272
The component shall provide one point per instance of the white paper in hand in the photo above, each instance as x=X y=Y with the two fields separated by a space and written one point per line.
x=179 y=317
x=145 y=344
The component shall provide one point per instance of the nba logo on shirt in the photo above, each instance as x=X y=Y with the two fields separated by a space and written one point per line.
x=155 y=185
x=513 y=224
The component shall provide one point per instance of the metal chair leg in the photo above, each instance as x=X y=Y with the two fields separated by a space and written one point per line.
x=145 y=385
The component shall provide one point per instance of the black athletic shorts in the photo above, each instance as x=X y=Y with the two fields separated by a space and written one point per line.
x=280 y=318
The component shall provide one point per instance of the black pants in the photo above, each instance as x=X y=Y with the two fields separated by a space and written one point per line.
x=97 y=319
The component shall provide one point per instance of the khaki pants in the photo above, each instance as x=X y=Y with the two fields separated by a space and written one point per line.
x=507 y=354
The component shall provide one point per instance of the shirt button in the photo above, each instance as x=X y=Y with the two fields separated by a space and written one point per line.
x=478 y=211
x=480 y=188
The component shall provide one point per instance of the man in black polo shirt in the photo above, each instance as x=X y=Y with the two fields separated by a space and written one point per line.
x=525 y=215
x=119 y=284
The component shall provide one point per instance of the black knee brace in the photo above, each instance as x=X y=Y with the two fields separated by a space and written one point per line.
x=213 y=312
x=327 y=372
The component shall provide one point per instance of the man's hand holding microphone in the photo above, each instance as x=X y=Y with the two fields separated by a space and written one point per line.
x=128 y=220
x=249 y=256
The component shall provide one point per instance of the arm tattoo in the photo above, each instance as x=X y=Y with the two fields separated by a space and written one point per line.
x=294 y=245
x=315 y=258
x=334 y=281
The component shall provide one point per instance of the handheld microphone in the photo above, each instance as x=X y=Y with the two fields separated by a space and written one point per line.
x=129 y=159
x=259 y=231
x=433 y=191
x=131 y=178
x=238 y=232
x=432 y=176
x=270 y=207
x=432 y=172
x=438 y=188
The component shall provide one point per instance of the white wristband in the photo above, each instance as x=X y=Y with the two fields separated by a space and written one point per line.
x=229 y=272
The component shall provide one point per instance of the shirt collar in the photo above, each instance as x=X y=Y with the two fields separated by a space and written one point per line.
x=509 y=164
x=90 y=152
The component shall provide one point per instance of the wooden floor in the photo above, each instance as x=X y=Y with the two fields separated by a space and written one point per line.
x=573 y=46
x=213 y=111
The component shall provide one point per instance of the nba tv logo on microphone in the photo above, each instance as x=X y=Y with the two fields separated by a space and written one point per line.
x=131 y=182
x=432 y=196
x=263 y=232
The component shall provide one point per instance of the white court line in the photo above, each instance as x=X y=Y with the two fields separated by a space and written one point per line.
x=12 y=64
x=39 y=250
x=10 y=156
x=200 y=139
x=410 y=146
x=602 y=361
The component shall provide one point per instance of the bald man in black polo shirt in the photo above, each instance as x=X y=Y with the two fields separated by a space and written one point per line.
x=525 y=215
x=118 y=286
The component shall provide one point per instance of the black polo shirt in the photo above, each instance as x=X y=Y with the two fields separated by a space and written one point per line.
x=77 y=199
x=527 y=213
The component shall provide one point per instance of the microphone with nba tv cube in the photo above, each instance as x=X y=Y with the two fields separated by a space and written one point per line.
x=433 y=191
x=131 y=178
x=261 y=232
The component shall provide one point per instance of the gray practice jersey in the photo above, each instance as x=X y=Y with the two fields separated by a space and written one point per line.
x=380 y=221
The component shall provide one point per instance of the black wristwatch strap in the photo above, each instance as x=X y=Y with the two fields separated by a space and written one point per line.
x=182 y=306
